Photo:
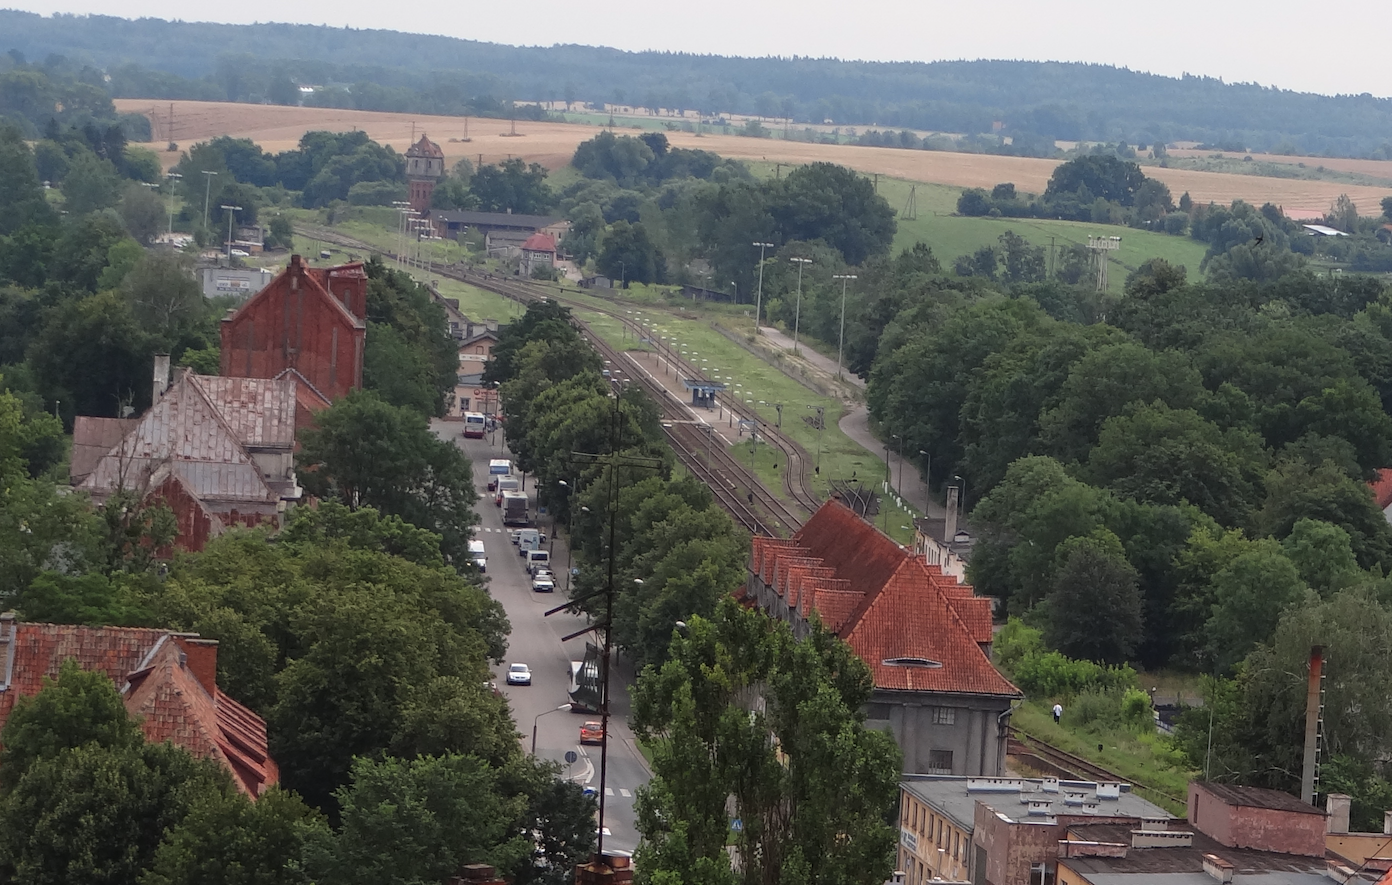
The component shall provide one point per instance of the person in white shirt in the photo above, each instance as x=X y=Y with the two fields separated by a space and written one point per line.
x=1058 y=712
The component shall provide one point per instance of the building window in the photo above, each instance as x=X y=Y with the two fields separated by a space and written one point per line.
x=944 y=716
x=940 y=762
x=877 y=711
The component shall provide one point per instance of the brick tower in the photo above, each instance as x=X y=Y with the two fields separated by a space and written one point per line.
x=425 y=165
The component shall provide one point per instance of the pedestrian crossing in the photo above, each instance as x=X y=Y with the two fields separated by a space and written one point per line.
x=609 y=791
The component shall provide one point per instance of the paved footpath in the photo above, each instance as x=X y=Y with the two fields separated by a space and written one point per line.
x=904 y=473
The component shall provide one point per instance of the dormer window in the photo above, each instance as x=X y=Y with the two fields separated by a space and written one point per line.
x=912 y=662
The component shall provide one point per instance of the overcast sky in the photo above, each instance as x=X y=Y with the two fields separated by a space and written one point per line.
x=1331 y=48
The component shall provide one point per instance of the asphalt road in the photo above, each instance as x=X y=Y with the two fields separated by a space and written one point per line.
x=536 y=641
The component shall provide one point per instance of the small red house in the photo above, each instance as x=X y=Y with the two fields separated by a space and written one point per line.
x=310 y=320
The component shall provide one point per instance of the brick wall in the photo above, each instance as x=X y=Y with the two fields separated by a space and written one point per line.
x=294 y=324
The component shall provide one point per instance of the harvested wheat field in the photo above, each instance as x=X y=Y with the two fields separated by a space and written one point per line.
x=278 y=128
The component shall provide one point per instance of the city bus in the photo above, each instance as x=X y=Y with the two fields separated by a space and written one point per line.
x=473 y=425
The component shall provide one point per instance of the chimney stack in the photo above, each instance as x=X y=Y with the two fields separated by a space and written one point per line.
x=1336 y=807
x=950 y=525
x=161 y=379
x=1387 y=823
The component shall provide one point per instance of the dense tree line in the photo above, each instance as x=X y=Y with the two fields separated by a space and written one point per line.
x=1182 y=484
x=676 y=553
x=696 y=220
x=59 y=93
x=425 y=74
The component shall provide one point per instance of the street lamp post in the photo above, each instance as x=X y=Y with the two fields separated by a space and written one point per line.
x=961 y=495
x=230 y=210
x=841 y=342
x=899 y=450
x=572 y=487
x=535 y=719
x=207 y=193
x=797 y=313
x=171 y=177
x=927 y=480
x=821 y=425
x=759 y=299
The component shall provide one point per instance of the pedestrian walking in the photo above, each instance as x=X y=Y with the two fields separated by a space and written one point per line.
x=1058 y=713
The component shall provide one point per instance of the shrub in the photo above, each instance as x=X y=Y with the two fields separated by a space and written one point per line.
x=1015 y=642
x=1053 y=674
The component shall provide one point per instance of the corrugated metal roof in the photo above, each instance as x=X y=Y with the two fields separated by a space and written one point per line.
x=186 y=434
x=259 y=411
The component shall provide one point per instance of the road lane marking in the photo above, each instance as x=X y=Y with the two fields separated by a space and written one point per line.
x=608 y=791
x=625 y=793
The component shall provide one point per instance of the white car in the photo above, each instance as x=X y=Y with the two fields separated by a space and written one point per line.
x=239 y=253
x=519 y=674
x=543 y=584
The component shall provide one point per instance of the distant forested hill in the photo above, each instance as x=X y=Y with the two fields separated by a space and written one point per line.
x=151 y=58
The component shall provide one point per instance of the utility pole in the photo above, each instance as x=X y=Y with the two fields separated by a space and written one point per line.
x=841 y=342
x=207 y=193
x=230 y=210
x=614 y=461
x=797 y=314
x=759 y=299
x=171 y=177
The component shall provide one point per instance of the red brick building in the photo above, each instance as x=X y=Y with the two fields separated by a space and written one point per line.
x=925 y=637
x=425 y=165
x=308 y=320
x=167 y=680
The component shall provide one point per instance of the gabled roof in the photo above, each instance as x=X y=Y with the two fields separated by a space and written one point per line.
x=916 y=628
x=539 y=242
x=158 y=675
x=92 y=439
x=313 y=280
x=186 y=433
x=260 y=411
x=306 y=394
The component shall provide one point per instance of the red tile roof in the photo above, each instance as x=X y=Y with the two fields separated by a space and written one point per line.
x=886 y=603
x=1382 y=488
x=539 y=242
x=166 y=679
x=425 y=148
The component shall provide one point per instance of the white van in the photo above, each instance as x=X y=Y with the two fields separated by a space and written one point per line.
x=528 y=539
x=537 y=558
x=509 y=484
x=478 y=554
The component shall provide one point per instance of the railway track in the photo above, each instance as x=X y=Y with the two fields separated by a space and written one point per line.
x=736 y=487
x=1064 y=763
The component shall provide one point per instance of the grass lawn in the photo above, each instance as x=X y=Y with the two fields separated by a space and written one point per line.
x=479 y=304
x=952 y=235
x=760 y=385
x=1147 y=760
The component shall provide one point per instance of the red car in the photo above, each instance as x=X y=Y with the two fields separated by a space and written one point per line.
x=592 y=733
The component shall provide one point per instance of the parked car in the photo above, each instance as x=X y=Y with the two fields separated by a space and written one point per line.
x=240 y=253
x=543 y=584
x=592 y=732
x=519 y=674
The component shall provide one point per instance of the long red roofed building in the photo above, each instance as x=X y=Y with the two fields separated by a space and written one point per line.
x=925 y=637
